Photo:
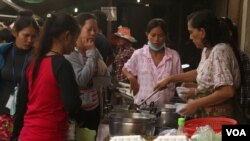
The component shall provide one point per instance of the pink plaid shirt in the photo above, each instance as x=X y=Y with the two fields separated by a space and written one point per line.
x=142 y=65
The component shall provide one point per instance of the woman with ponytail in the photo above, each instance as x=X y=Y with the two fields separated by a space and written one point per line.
x=218 y=73
x=49 y=93
x=13 y=60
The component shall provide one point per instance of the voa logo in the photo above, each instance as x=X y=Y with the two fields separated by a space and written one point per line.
x=236 y=132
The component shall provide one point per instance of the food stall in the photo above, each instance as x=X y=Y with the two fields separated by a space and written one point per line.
x=149 y=123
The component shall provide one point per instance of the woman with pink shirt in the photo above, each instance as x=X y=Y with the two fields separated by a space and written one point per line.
x=152 y=63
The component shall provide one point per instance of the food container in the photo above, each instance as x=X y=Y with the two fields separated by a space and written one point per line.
x=121 y=124
x=127 y=138
x=171 y=138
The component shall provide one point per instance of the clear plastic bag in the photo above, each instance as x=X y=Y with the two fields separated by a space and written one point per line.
x=205 y=133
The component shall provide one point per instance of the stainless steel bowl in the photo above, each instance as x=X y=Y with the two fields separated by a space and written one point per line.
x=131 y=124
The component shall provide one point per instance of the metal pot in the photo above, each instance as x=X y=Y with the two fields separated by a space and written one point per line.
x=120 y=108
x=131 y=124
x=168 y=117
x=132 y=108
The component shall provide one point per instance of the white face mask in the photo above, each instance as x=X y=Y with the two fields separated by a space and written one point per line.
x=152 y=47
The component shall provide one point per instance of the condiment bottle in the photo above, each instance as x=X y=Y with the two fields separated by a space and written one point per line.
x=181 y=123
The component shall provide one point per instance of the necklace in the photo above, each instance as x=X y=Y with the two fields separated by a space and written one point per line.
x=57 y=53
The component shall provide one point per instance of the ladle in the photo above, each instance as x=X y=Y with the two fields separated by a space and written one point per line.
x=144 y=100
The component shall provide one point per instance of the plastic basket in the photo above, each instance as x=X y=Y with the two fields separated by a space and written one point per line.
x=215 y=123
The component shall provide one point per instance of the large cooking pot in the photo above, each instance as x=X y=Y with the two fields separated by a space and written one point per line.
x=168 y=117
x=132 y=108
x=120 y=108
x=131 y=124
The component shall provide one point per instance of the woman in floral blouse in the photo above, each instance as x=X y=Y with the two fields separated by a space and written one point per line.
x=218 y=74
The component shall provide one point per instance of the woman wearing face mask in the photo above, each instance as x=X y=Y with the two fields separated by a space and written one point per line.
x=152 y=63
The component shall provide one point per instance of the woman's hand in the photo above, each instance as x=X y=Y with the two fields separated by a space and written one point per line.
x=88 y=43
x=190 y=108
x=134 y=86
x=162 y=84
x=186 y=93
x=189 y=84
x=84 y=44
x=191 y=93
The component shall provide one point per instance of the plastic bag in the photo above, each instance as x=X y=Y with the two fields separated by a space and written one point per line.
x=205 y=133
x=168 y=132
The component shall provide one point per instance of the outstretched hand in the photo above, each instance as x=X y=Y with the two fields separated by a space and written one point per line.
x=190 y=108
x=162 y=84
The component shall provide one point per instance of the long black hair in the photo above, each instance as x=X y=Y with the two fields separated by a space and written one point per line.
x=83 y=17
x=54 y=26
x=101 y=18
x=208 y=21
x=230 y=30
x=217 y=31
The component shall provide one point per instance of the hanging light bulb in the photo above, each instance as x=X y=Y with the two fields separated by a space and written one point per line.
x=138 y=1
x=76 y=10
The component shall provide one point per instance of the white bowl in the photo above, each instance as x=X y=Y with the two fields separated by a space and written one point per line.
x=181 y=92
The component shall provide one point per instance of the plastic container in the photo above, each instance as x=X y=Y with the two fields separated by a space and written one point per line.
x=127 y=138
x=171 y=138
x=214 y=122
